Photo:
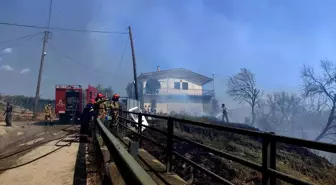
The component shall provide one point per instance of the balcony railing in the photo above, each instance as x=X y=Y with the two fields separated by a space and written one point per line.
x=191 y=92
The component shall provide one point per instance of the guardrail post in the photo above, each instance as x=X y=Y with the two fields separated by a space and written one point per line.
x=140 y=129
x=268 y=160
x=169 y=152
x=133 y=149
x=120 y=127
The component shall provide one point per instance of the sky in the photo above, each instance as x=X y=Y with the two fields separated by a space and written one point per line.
x=271 y=38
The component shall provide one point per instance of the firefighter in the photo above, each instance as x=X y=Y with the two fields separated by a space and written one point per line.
x=225 y=114
x=90 y=107
x=100 y=107
x=8 y=113
x=115 y=109
x=87 y=115
x=48 y=112
x=145 y=110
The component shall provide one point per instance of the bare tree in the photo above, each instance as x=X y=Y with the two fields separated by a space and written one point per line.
x=316 y=105
x=285 y=106
x=242 y=87
x=322 y=85
x=280 y=111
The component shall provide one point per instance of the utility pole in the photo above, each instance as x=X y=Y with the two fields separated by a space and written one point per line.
x=134 y=64
x=37 y=95
x=46 y=37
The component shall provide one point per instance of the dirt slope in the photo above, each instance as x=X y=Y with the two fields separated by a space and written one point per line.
x=19 y=113
x=292 y=160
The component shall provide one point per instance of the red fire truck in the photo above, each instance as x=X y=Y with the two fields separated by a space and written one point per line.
x=70 y=101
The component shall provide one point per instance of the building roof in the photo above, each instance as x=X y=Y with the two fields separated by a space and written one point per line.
x=179 y=73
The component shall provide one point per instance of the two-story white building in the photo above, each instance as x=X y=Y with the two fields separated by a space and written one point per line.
x=178 y=90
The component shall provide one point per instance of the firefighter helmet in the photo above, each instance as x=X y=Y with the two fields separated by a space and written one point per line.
x=116 y=97
x=100 y=95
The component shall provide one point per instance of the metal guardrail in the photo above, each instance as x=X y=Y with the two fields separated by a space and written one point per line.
x=130 y=170
x=267 y=168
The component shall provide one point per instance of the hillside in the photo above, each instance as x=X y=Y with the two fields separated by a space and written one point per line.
x=22 y=106
x=293 y=160
x=19 y=113
x=25 y=102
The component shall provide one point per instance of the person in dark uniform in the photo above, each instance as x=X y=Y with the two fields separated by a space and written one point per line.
x=9 y=115
x=87 y=117
x=225 y=117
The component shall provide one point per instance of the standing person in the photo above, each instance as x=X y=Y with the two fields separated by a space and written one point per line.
x=8 y=113
x=48 y=112
x=87 y=117
x=100 y=107
x=225 y=114
x=149 y=109
x=115 y=109
x=145 y=109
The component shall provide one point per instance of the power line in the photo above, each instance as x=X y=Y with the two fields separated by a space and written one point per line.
x=62 y=29
x=121 y=59
x=76 y=61
x=20 y=43
x=118 y=37
x=19 y=38
x=88 y=31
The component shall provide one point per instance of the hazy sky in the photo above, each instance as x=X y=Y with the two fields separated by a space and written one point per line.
x=272 y=38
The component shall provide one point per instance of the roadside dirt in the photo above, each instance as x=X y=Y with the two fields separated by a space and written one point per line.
x=92 y=168
x=4 y=130
x=65 y=166
x=56 y=168
x=22 y=136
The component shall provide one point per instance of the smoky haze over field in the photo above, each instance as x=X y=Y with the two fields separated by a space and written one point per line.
x=273 y=40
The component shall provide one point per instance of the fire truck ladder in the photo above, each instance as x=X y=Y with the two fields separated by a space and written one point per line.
x=74 y=111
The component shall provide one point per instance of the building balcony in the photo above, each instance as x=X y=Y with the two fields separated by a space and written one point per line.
x=189 y=92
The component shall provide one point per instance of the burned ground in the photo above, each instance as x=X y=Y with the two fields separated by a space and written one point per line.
x=296 y=161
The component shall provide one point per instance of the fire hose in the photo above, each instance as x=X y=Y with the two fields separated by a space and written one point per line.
x=40 y=157
x=42 y=143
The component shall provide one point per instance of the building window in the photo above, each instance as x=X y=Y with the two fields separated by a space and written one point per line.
x=185 y=85
x=177 y=85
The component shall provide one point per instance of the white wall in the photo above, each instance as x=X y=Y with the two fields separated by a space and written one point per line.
x=178 y=107
x=167 y=87
x=164 y=105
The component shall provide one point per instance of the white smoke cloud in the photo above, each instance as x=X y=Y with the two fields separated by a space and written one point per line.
x=26 y=70
x=8 y=50
x=6 y=68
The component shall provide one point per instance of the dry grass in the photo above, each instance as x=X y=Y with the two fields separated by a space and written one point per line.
x=295 y=161
x=27 y=116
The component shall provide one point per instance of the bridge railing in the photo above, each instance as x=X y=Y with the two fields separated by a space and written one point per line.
x=268 y=167
x=131 y=171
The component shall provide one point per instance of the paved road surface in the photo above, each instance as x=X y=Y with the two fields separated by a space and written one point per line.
x=54 y=169
x=68 y=165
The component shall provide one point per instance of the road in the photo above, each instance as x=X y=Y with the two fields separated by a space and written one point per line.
x=56 y=168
